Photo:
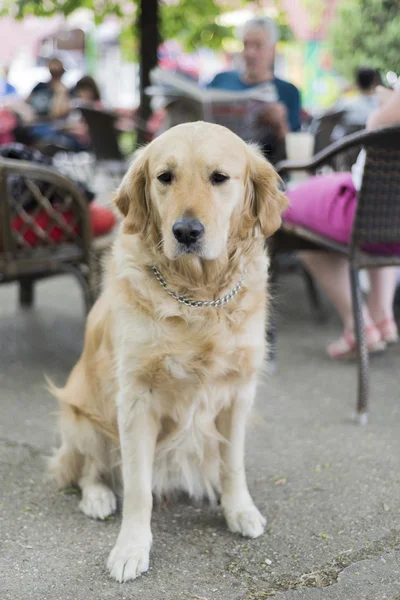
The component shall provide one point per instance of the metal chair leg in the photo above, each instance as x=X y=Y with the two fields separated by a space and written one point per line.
x=314 y=296
x=271 y=332
x=362 y=349
x=88 y=293
x=271 y=344
x=87 y=289
x=26 y=293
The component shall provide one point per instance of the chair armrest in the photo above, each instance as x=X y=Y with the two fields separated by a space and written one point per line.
x=50 y=175
x=350 y=141
x=44 y=173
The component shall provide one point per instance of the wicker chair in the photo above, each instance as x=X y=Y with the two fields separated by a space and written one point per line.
x=377 y=221
x=45 y=228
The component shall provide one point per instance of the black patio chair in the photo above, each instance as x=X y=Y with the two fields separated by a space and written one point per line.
x=322 y=128
x=377 y=221
x=104 y=140
x=345 y=160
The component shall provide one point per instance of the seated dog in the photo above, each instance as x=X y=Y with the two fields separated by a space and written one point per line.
x=176 y=341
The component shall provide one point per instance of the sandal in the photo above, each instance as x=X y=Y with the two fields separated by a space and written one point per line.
x=345 y=348
x=388 y=330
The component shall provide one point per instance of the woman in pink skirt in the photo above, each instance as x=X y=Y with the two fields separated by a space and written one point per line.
x=326 y=205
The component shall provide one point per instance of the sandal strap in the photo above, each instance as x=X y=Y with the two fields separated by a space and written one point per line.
x=385 y=323
x=348 y=338
x=350 y=341
x=388 y=330
x=371 y=328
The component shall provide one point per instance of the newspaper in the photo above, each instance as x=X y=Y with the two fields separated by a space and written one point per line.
x=185 y=100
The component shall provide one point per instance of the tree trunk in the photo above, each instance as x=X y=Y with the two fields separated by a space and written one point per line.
x=149 y=40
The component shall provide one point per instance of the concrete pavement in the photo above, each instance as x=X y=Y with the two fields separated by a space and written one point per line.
x=330 y=489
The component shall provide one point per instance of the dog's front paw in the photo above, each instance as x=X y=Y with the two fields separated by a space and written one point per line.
x=128 y=560
x=98 y=501
x=246 y=520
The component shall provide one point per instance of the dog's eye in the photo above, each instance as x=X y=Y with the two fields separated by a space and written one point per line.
x=165 y=177
x=217 y=178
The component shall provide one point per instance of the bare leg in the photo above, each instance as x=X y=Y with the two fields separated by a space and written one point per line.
x=332 y=273
x=240 y=512
x=383 y=287
x=138 y=429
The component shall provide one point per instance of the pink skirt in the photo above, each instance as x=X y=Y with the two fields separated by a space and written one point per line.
x=326 y=204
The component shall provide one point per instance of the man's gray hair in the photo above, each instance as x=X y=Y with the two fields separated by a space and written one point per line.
x=265 y=23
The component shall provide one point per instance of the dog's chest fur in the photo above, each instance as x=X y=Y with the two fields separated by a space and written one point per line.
x=184 y=348
x=194 y=361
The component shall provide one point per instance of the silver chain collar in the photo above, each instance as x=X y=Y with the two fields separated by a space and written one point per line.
x=200 y=303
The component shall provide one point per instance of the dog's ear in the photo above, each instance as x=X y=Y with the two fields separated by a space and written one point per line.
x=266 y=200
x=131 y=198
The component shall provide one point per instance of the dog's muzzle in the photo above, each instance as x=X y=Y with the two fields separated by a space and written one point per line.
x=188 y=232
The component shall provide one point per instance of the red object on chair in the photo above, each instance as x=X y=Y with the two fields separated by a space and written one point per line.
x=102 y=219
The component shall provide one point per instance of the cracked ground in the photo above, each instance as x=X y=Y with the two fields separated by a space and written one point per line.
x=329 y=489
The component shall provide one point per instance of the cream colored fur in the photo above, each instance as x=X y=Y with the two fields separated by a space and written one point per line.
x=163 y=388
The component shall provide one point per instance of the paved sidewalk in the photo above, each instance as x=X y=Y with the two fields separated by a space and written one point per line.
x=330 y=489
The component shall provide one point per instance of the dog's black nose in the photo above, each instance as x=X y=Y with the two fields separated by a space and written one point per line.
x=187 y=231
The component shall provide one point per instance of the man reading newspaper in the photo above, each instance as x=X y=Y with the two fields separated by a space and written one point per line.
x=185 y=100
x=254 y=104
x=277 y=118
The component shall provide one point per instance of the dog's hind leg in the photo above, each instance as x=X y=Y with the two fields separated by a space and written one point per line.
x=98 y=500
x=84 y=460
x=66 y=466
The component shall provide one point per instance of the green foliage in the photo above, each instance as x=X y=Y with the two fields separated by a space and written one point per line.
x=191 y=22
x=366 y=32
x=47 y=8
x=285 y=33
x=129 y=42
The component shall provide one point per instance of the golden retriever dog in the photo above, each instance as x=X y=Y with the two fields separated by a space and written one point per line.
x=176 y=341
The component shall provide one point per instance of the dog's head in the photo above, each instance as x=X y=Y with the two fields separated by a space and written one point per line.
x=197 y=186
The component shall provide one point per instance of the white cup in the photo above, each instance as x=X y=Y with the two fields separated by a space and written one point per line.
x=299 y=148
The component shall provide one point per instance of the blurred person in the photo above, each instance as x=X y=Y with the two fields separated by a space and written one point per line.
x=51 y=103
x=6 y=89
x=8 y=125
x=326 y=204
x=87 y=93
x=358 y=109
x=14 y=112
x=260 y=36
x=50 y=99
x=9 y=118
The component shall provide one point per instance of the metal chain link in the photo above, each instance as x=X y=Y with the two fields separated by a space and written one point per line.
x=200 y=303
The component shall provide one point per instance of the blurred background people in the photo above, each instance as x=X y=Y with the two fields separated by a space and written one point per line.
x=260 y=36
x=50 y=99
x=6 y=89
x=358 y=108
x=87 y=93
